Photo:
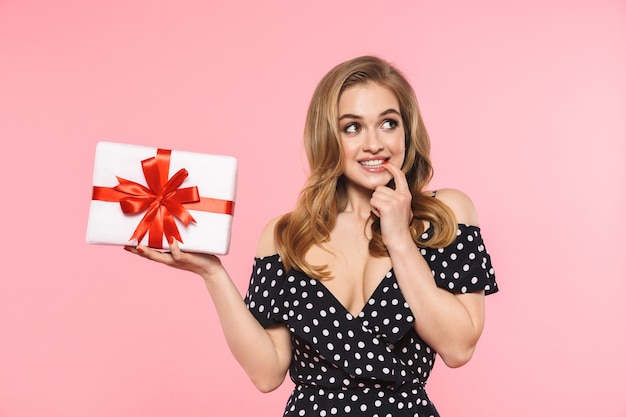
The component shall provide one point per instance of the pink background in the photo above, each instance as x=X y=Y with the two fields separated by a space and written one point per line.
x=525 y=103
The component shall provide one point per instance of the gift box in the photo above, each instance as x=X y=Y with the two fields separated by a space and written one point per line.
x=143 y=195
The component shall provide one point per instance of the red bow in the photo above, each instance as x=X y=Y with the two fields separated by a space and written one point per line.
x=162 y=200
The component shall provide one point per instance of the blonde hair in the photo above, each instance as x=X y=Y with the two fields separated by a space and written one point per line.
x=324 y=197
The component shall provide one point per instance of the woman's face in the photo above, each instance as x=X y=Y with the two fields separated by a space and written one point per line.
x=371 y=131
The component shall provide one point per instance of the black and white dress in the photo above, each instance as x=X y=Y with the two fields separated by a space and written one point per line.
x=373 y=364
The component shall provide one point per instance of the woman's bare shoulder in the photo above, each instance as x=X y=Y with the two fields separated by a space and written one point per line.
x=267 y=244
x=460 y=203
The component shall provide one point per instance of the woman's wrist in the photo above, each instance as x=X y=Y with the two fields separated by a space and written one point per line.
x=400 y=243
x=213 y=273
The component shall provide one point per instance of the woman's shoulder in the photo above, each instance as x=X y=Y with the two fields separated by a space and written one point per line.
x=461 y=205
x=267 y=245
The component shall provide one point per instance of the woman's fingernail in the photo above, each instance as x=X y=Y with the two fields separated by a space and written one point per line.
x=126 y=248
x=140 y=250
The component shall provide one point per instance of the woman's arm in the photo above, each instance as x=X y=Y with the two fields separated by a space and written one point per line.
x=264 y=354
x=451 y=324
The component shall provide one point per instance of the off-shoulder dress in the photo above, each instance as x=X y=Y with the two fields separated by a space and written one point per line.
x=373 y=364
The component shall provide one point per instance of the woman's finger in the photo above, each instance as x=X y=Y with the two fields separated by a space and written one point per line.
x=398 y=177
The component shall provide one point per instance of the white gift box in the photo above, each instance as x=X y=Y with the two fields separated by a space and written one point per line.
x=120 y=180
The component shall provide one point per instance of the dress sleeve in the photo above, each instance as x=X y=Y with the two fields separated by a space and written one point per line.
x=465 y=265
x=265 y=291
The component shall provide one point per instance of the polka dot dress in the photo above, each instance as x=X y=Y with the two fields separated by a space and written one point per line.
x=374 y=364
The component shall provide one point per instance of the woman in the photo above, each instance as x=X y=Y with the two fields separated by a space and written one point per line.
x=357 y=289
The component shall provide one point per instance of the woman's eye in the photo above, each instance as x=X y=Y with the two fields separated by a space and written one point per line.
x=351 y=128
x=389 y=124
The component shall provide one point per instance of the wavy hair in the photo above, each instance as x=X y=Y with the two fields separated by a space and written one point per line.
x=324 y=194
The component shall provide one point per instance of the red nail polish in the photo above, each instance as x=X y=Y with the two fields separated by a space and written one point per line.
x=126 y=248
x=140 y=250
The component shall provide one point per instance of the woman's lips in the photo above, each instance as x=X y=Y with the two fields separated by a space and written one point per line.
x=373 y=164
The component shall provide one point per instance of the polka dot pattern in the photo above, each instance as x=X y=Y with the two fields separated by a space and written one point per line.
x=372 y=364
x=464 y=266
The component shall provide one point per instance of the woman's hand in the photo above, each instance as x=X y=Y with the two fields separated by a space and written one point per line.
x=202 y=264
x=393 y=207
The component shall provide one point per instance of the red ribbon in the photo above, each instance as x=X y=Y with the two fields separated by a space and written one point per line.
x=162 y=201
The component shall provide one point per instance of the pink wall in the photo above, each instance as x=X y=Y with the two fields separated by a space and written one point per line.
x=525 y=103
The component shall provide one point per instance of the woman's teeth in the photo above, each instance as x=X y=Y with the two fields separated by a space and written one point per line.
x=373 y=163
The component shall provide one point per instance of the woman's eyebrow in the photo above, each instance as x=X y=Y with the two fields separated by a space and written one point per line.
x=349 y=116
x=354 y=116
x=390 y=111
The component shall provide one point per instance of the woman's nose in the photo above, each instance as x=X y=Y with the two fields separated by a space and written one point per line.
x=372 y=142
